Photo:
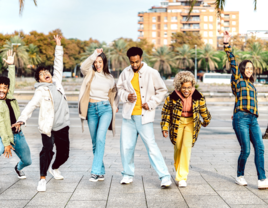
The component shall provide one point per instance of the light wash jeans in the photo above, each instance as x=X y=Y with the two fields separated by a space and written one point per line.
x=131 y=128
x=99 y=117
x=22 y=150
x=248 y=130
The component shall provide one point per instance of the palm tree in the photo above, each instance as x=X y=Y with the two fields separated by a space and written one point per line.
x=209 y=56
x=33 y=53
x=163 y=59
x=21 y=57
x=219 y=5
x=118 y=54
x=258 y=56
x=22 y=4
x=185 y=57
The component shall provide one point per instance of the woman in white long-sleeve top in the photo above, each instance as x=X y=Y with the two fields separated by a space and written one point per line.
x=98 y=104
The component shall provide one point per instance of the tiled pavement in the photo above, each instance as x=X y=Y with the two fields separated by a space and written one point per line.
x=210 y=182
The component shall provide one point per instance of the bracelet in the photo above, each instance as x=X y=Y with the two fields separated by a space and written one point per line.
x=225 y=43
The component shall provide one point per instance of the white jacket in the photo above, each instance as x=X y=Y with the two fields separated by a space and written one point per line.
x=42 y=98
x=152 y=91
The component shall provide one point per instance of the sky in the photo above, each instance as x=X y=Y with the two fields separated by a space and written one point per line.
x=104 y=20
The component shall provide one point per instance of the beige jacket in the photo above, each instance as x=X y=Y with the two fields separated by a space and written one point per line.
x=88 y=72
x=152 y=90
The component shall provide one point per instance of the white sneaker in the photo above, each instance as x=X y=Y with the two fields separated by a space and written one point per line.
x=241 y=181
x=126 y=180
x=42 y=185
x=165 y=183
x=182 y=184
x=263 y=184
x=56 y=173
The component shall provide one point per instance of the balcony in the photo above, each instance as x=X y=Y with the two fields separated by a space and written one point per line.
x=140 y=21
x=140 y=29
x=190 y=28
x=191 y=20
x=140 y=14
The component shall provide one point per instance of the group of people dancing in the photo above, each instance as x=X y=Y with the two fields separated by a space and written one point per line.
x=141 y=90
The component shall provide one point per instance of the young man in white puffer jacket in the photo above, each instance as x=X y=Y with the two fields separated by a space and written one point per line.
x=54 y=118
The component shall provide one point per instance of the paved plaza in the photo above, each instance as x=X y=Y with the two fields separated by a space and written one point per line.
x=210 y=182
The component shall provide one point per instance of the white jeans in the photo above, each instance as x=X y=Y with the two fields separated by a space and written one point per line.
x=131 y=128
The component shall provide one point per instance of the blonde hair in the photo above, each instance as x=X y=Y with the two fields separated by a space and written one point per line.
x=181 y=78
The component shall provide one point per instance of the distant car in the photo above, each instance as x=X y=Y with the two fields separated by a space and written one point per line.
x=67 y=74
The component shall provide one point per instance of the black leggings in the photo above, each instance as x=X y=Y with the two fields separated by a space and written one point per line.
x=61 y=140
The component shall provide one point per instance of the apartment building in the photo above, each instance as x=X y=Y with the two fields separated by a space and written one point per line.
x=160 y=22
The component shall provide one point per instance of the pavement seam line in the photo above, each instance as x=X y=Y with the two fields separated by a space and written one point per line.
x=74 y=190
x=35 y=195
x=109 y=191
x=180 y=191
x=214 y=190
x=144 y=192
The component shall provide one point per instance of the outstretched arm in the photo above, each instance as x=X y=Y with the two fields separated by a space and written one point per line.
x=58 y=61
x=227 y=48
x=11 y=70
x=86 y=66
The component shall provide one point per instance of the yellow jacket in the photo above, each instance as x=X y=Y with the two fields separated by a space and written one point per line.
x=171 y=114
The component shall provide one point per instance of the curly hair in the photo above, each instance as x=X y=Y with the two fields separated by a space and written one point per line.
x=41 y=68
x=181 y=78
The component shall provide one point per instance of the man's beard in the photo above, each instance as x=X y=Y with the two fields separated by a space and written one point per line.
x=135 y=70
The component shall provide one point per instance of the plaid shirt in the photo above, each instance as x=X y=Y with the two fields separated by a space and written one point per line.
x=171 y=115
x=244 y=91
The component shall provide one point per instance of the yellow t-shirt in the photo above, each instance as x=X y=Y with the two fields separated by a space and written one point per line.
x=135 y=83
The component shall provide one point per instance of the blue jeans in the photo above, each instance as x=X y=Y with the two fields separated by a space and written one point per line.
x=22 y=150
x=99 y=117
x=247 y=130
x=131 y=128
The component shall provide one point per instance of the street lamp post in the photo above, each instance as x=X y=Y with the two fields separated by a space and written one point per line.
x=195 y=70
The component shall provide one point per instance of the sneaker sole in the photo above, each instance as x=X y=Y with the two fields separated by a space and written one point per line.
x=262 y=188
x=125 y=183
x=41 y=190
x=241 y=184
x=101 y=179
x=22 y=177
x=165 y=186
x=54 y=176
x=93 y=180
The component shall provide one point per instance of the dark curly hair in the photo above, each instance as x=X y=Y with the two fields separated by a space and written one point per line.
x=134 y=51
x=5 y=81
x=40 y=68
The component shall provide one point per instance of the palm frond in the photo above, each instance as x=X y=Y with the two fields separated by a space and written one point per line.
x=21 y=2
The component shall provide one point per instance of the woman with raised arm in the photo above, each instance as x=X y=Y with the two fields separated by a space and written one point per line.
x=98 y=104
x=245 y=123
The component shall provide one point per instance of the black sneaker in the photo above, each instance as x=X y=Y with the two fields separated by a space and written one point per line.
x=101 y=178
x=20 y=173
x=94 y=178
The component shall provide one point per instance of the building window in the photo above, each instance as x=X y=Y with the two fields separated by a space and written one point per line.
x=165 y=19
x=210 y=41
x=210 y=34
x=165 y=34
x=205 y=26
x=153 y=41
x=165 y=27
x=206 y=41
x=174 y=19
x=174 y=27
x=227 y=29
x=233 y=22
x=154 y=27
x=210 y=26
x=233 y=29
x=211 y=18
x=205 y=33
x=165 y=42
x=205 y=18
x=153 y=34
x=154 y=19
x=233 y=16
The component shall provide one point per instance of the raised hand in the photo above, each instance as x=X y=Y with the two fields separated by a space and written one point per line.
x=99 y=50
x=58 y=40
x=226 y=37
x=10 y=57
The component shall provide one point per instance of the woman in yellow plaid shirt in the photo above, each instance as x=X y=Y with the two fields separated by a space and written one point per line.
x=245 y=121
